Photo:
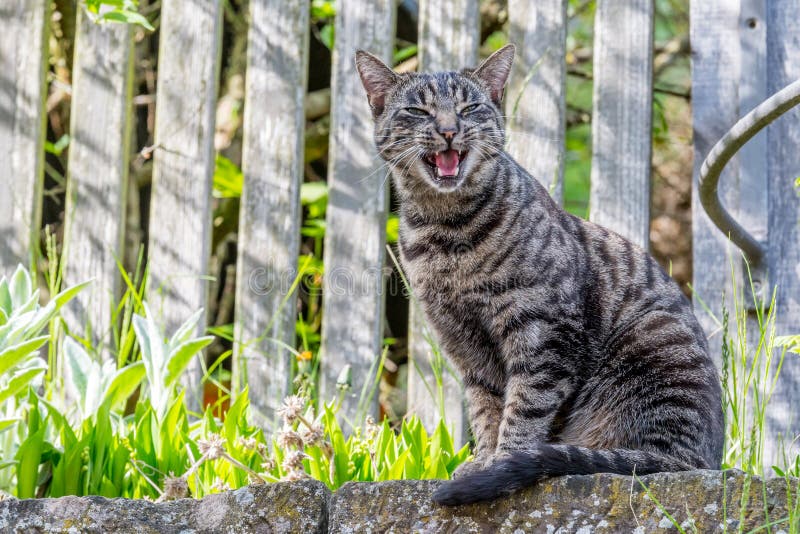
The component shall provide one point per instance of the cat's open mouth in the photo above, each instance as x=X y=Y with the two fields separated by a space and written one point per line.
x=445 y=165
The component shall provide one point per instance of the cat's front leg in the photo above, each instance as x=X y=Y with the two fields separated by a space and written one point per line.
x=538 y=380
x=485 y=406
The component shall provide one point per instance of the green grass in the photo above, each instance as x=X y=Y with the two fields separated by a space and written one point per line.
x=752 y=359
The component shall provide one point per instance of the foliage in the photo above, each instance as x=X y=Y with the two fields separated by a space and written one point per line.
x=121 y=11
x=94 y=443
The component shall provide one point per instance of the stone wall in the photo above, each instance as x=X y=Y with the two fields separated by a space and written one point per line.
x=704 y=500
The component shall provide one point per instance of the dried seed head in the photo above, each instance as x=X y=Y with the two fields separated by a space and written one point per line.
x=371 y=428
x=247 y=443
x=254 y=479
x=292 y=408
x=293 y=461
x=312 y=436
x=288 y=438
x=175 y=488
x=294 y=476
x=327 y=449
x=268 y=464
x=220 y=486
x=211 y=448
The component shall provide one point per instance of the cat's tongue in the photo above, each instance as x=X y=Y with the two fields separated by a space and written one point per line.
x=447 y=162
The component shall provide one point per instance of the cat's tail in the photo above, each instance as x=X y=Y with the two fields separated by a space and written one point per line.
x=521 y=469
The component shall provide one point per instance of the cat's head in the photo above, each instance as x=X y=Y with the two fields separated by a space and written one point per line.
x=437 y=130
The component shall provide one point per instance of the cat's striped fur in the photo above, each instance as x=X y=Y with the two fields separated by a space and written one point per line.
x=578 y=353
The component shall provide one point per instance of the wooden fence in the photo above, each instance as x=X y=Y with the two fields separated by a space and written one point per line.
x=742 y=52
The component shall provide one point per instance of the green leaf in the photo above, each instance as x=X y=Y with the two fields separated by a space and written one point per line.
x=184 y=331
x=5 y=298
x=311 y=192
x=6 y=424
x=328 y=34
x=127 y=17
x=29 y=454
x=180 y=357
x=58 y=147
x=228 y=178
x=80 y=365
x=20 y=381
x=20 y=287
x=397 y=470
x=123 y=384
x=14 y=355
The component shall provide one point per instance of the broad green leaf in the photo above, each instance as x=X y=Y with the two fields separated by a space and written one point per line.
x=20 y=381
x=5 y=297
x=128 y=17
x=6 y=424
x=20 y=287
x=123 y=384
x=13 y=356
x=397 y=470
x=180 y=357
x=68 y=294
x=80 y=365
x=311 y=192
x=184 y=331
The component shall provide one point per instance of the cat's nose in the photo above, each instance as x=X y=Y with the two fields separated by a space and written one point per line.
x=448 y=132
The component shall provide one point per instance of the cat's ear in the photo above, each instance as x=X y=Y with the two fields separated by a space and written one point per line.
x=494 y=71
x=377 y=78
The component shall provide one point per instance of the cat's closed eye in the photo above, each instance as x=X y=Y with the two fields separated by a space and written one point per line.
x=470 y=108
x=417 y=112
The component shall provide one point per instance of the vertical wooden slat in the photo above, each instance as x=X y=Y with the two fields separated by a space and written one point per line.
x=535 y=98
x=23 y=62
x=783 y=67
x=621 y=121
x=753 y=91
x=356 y=219
x=269 y=222
x=449 y=37
x=98 y=172
x=716 y=71
x=180 y=215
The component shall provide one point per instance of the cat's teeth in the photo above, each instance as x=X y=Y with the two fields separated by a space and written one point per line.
x=439 y=171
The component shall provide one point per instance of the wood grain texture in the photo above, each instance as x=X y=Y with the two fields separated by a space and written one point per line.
x=535 y=97
x=353 y=307
x=98 y=174
x=753 y=91
x=783 y=67
x=269 y=220
x=716 y=71
x=23 y=61
x=180 y=214
x=622 y=117
x=449 y=34
x=449 y=37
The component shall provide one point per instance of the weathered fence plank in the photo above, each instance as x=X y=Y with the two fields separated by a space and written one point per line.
x=269 y=221
x=716 y=64
x=180 y=215
x=98 y=173
x=783 y=67
x=621 y=121
x=353 y=307
x=23 y=62
x=535 y=98
x=449 y=37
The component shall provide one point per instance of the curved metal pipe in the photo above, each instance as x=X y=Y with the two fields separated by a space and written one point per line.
x=724 y=150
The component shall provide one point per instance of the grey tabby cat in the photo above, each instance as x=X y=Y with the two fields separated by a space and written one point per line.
x=578 y=353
